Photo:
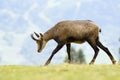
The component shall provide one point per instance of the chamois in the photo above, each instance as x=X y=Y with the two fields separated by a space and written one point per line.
x=76 y=31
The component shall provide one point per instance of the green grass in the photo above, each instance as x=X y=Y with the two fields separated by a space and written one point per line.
x=61 y=72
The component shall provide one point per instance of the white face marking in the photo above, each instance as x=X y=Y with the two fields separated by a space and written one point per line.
x=41 y=44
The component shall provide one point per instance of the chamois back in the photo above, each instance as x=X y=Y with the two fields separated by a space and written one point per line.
x=78 y=30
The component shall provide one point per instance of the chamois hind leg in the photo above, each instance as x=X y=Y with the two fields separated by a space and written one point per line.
x=99 y=44
x=95 y=48
x=59 y=46
x=68 y=52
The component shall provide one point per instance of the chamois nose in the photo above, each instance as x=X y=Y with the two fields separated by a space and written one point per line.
x=38 y=50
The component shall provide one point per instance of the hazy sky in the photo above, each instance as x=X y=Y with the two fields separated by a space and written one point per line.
x=20 y=18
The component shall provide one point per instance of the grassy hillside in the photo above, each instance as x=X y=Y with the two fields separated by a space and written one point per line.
x=61 y=72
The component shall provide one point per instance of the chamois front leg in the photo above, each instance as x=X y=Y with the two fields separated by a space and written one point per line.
x=59 y=46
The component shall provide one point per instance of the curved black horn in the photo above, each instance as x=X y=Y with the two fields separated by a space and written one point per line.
x=36 y=34
x=33 y=37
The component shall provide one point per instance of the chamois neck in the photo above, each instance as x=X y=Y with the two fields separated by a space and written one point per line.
x=47 y=36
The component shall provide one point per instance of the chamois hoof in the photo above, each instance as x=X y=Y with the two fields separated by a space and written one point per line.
x=69 y=61
x=114 y=61
x=91 y=63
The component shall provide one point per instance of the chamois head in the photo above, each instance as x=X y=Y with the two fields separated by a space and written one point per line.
x=40 y=41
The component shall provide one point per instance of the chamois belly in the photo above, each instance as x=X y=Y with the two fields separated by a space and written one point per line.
x=78 y=42
x=75 y=40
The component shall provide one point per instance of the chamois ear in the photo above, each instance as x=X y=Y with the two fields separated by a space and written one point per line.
x=41 y=34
